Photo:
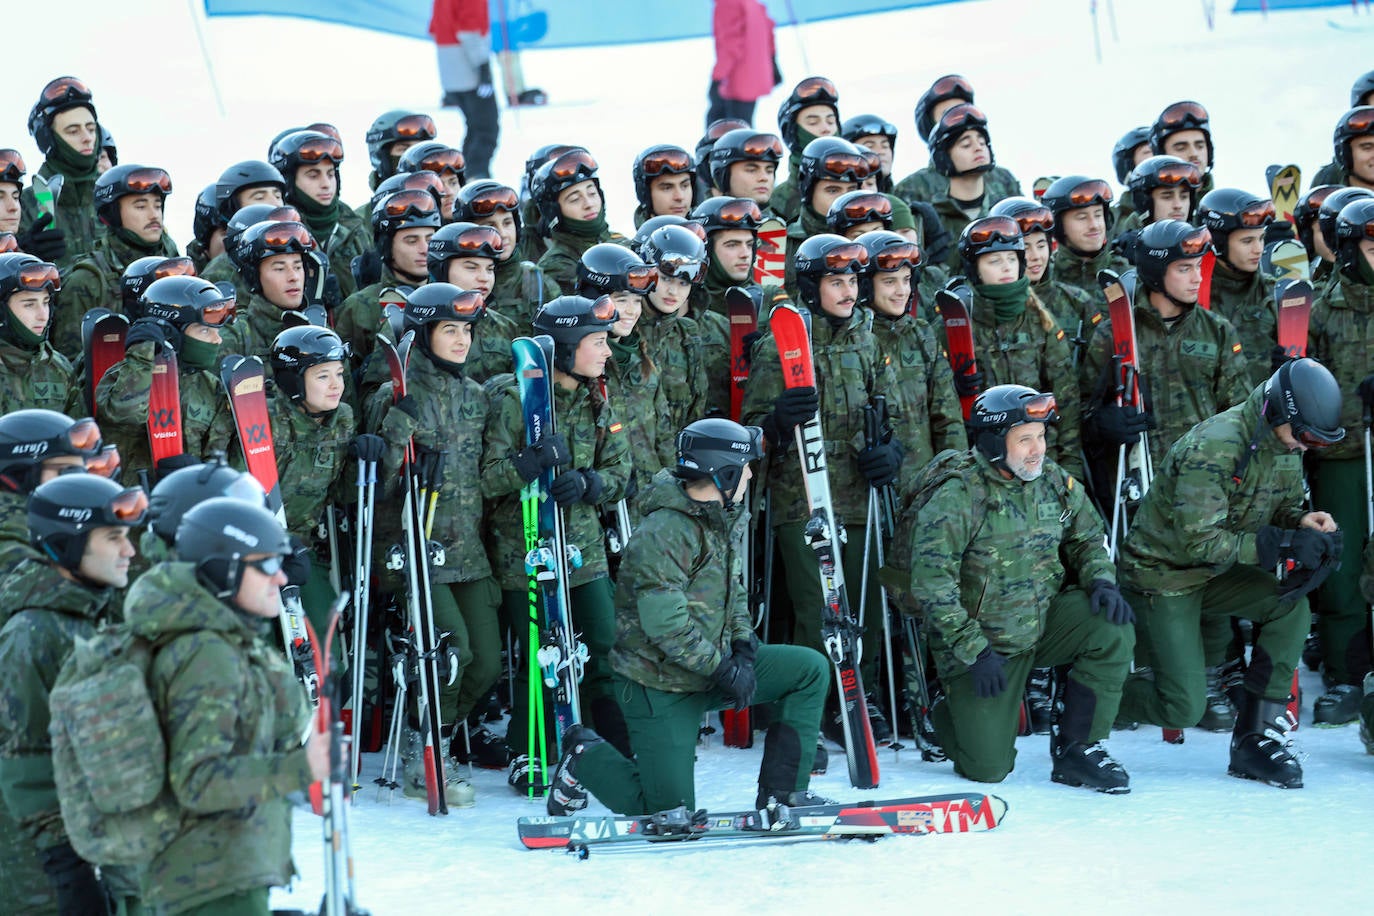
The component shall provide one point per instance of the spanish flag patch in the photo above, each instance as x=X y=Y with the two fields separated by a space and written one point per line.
x=1059 y=335
x=615 y=427
x=1235 y=348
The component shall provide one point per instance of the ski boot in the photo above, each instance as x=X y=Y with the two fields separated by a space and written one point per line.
x=522 y=774
x=822 y=760
x=877 y=722
x=567 y=794
x=1091 y=767
x=1338 y=706
x=789 y=798
x=482 y=749
x=1040 y=699
x=1218 y=715
x=1259 y=747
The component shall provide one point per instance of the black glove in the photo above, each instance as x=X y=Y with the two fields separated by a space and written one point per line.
x=333 y=296
x=175 y=463
x=1366 y=393
x=1277 y=357
x=74 y=881
x=572 y=486
x=595 y=486
x=367 y=268
x=1122 y=425
x=368 y=447
x=43 y=240
x=968 y=382
x=1279 y=230
x=748 y=346
x=735 y=677
x=1305 y=547
x=1105 y=598
x=144 y=330
x=989 y=680
x=485 y=87
x=297 y=564
x=1124 y=244
x=935 y=237
x=745 y=648
x=794 y=407
x=408 y=406
x=549 y=452
x=879 y=463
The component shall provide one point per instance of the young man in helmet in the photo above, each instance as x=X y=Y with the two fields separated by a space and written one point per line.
x=828 y=168
x=43 y=241
x=309 y=161
x=391 y=134
x=224 y=267
x=80 y=525
x=249 y=182
x=1001 y=530
x=672 y=340
x=685 y=644
x=1159 y=187
x=1237 y=220
x=1353 y=143
x=231 y=710
x=35 y=374
x=444 y=161
x=1132 y=149
x=279 y=264
x=129 y=201
x=63 y=125
x=1339 y=336
x=665 y=182
x=1223 y=519
x=591 y=456
x=1184 y=129
x=810 y=111
x=520 y=286
x=208 y=230
x=1325 y=273
x=744 y=163
x=851 y=371
x=572 y=213
x=1074 y=310
x=732 y=241
x=1083 y=220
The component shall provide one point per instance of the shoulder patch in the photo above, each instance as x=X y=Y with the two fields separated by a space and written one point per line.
x=615 y=427
x=1097 y=316
x=1059 y=335
x=1235 y=348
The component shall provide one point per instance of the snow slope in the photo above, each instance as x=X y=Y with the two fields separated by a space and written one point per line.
x=1188 y=838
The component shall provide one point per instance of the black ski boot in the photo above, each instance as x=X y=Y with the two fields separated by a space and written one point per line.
x=1218 y=715
x=1076 y=760
x=1040 y=699
x=482 y=749
x=1338 y=706
x=1259 y=748
x=778 y=771
x=821 y=763
x=877 y=722
x=567 y=794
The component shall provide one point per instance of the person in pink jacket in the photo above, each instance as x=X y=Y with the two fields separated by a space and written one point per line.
x=746 y=66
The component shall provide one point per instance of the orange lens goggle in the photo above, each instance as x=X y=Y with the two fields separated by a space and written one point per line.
x=410 y=202
x=468 y=304
x=641 y=280
x=1195 y=244
x=289 y=235
x=320 y=149
x=444 y=160
x=12 y=166
x=327 y=129
x=84 y=436
x=481 y=239
x=867 y=208
x=218 y=314
x=1037 y=220
x=105 y=463
x=1039 y=408
x=667 y=162
x=1181 y=114
x=572 y=163
x=1256 y=215
x=951 y=85
x=990 y=228
x=66 y=88
x=603 y=309
x=147 y=180
x=741 y=211
x=416 y=127
x=129 y=507
x=1185 y=173
x=39 y=276
x=816 y=89
x=965 y=113
x=491 y=200
x=845 y=167
x=763 y=146
x=1095 y=191
x=897 y=257
x=846 y=257
x=175 y=267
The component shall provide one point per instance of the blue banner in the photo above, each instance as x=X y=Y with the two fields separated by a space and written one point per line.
x=553 y=23
x=1256 y=6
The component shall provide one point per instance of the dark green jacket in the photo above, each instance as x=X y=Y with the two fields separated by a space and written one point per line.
x=14 y=537
x=93 y=281
x=75 y=214
x=1081 y=273
x=521 y=288
x=41 y=378
x=1341 y=337
x=634 y=385
x=565 y=252
x=1247 y=301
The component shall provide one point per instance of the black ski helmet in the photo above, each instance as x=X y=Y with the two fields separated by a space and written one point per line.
x=607 y=268
x=678 y=252
x=543 y=154
x=63 y=512
x=1227 y=210
x=1123 y=154
x=485 y=197
x=182 y=301
x=988 y=234
x=1357 y=122
x=888 y=252
x=714 y=131
x=1332 y=206
x=952 y=125
x=297 y=349
x=123 y=181
x=460 y=240
x=217 y=534
x=1030 y=215
x=301 y=147
x=655 y=223
x=829 y=158
x=1077 y=192
x=869 y=125
x=141 y=274
x=656 y=161
x=744 y=144
x=269 y=238
x=12 y=167
x=178 y=491
x=30 y=437
x=949 y=86
x=824 y=254
x=1163 y=172
x=20 y=272
x=1355 y=224
x=556 y=176
x=248 y=217
x=1306 y=212
x=1362 y=90
x=436 y=157
x=436 y=302
x=1162 y=243
x=208 y=218
x=403 y=210
x=1304 y=393
x=391 y=127
x=854 y=208
x=108 y=146
x=717 y=449
x=1185 y=115
x=716 y=214
x=59 y=95
x=814 y=90
x=243 y=176
x=568 y=319
x=1002 y=407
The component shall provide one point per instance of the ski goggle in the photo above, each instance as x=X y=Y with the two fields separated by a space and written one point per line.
x=284 y=214
x=328 y=130
x=321 y=149
x=66 y=89
x=1040 y=408
x=868 y=208
x=1359 y=120
x=872 y=126
x=1196 y=243
x=479 y=241
x=693 y=270
x=416 y=127
x=842 y=258
x=490 y=200
x=1087 y=193
x=668 y=161
x=8 y=242
x=268 y=566
x=444 y=160
x=104 y=463
x=416 y=181
x=12 y=166
x=603 y=309
x=218 y=314
x=740 y=213
x=39 y=276
x=468 y=305
x=896 y=257
x=641 y=280
x=128 y=508
x=84 y=437
x=1256 y=215
x=993 y=228
x=575 y=162
x=843 y=166
x=1313 y=438
x=965 y=115
x=1039 y=219
x=1183 y=114
x=287 y=236
x=765 y=147
x=816 y=90
x=1312 y=202
x=173 y=267
x=148 y=180
x=1178 y=174
x=950 y=86
x=410 y=203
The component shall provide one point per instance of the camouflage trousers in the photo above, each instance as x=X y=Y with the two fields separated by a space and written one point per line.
x=25 y=886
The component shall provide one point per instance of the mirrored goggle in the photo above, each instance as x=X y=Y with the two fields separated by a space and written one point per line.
x=327 y=129
x=174 y=267
x=404 y=203
x=1196 y=243
x=1094 y=191
x=1318 y=438
x=423 y=180
x=964 y=115
x=1038 y=220
x=816 y=89
x=897 y=257
x=719 y=128
x=39 y=276
x=1039 y=408
x=867 y=208
x=147 y=180
x=603 y=309
x=994 y=228
x=641 y=280
x=468 y=304
x=762 y=146
x=321 y=149
x=288 y=235
x=489 y=201
x=444 y=160
x=218 y=314
x=128 y=508
x=416 y=127
x=482 y=240
x=12 y=166
x=952 y=85
x=1256 y=215
x=1182 y=173
x=66 y=88
x=846 y=257
x=740 y=211
x=8 y=242
x=1315 y=198
x=845 y=167
x=1360 y=121
x=105 y=463
x=84 y=436
x=667 y=162
x=873 y=126
x=690 y=269
x=574 y=162
x=268 y=566
x=1181 y=114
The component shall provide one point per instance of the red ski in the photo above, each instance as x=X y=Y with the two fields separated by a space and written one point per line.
x=1294 y=300
x=953 y=311
x=164 y=407
x=1204 y=292
x=102 y=345
x=771 y=256
x=744 y=321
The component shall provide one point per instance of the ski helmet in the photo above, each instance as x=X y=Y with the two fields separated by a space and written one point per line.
x=854 y=208
x=30 y=437
x=829 y=158
x=869 y=125
x=655 y=223
x=1123 y=154
x=301 y=147
x=12 y=168
x=432 y=156
x=243 y=176
x=718 y=213
x=1162 y=243
x=988 y=234
x=435 y=302
x=298 y=349
x=888 y=252
x=1354 y=225
x=178 y=491
x=392 y=127
x=656 y=161
x=484 y=197
x=741 y=145
x=123 y=181
x=824 y=254
x=556 y=176
x=1077 y=192
x=1304 y=393
x=543 y=154
x=717 y=450
x=460 y=240
x=1331 y=208
x=403 y=210
x=108 y=147
x=410 y=181
x=1362 y=90
x=1186 y=115
x=140 y=274
x=1163 y=172
x=217 y=534
x=952 y=125
x=1030 y=215
x=63 y=512
x=996 y=411
x=814 y=90
x=607 y=268
x=248 y=217
x=1226 y=210
x=184 y=301
x=21 y=272
x=263 y=240
x=1357 y=122
x=1305 y=213
x=678 y=252
x=714 y=131
x=208 y=218
x=568 y=319
x=950 y=86
x=59 y=95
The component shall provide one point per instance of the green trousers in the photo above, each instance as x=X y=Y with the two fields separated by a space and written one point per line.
x=1342 y=614
x=979 y=733
x=663 y=731
x=244 y=903
x=469 y=613
x=22 y=882
x=1173 y=692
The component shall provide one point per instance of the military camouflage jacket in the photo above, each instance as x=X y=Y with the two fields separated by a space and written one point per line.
x=926 y=184
x=92 y=282
x=1341 y=337
x=1073 y=309
x=1081 y=273
x=634 y=386
x=1247 y=301
x=75 y=214
x=675 y=345
x=520 y=289
x=14 y=537
x=357 y=319
x=38 y=378
x=312 y=456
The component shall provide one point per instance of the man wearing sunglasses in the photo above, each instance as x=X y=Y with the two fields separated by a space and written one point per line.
x=34 y=374
x=1223 y=532
x=80 y=523
x=63 y=124
x=129 y=201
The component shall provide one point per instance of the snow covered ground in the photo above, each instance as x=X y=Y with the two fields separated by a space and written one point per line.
x=1188 y=838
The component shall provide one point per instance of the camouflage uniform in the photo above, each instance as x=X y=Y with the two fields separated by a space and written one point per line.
x=454 y=412
x=634 y=386
x=559 y=262
x=715 y=353
x=1341 y=337
x=680 y=602
x=39 y=377
x=785 y=201
x=257 y=325
x=929 y=186
x=989 y=564
x=807 y=224
x=1072 y=270
x=347 y=238
x=521 y=288
x=222 y=270
x=232 y=714
x=75 y=211
x=356 y=320
x=1190 y=555
x=1247 y=301
x=14 y=537
x=676 y=347
x=93 y=282
x=1073 y=310
x=199 y=256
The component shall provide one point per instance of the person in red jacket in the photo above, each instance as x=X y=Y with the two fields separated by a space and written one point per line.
x=746 y=64
x=462 y=44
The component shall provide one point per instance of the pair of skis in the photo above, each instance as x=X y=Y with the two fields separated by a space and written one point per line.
x=1134 y=469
